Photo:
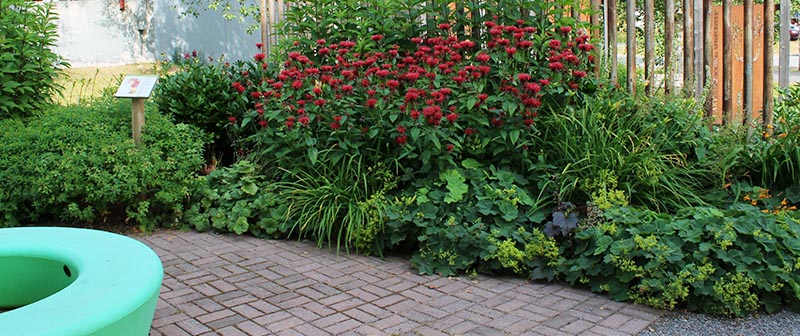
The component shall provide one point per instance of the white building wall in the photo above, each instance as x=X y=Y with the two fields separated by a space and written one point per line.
x=98 y=33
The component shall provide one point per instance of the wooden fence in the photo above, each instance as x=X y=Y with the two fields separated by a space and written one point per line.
x=718 y=53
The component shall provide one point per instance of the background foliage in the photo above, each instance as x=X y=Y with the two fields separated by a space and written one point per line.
x=28 y=66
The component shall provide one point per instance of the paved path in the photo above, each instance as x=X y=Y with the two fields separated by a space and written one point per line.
x=235 y=285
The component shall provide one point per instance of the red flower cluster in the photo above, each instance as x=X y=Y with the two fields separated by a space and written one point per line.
x=350 y=96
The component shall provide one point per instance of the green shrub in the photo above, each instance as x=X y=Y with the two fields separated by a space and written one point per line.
x=28 y=67
x=728 y=262
x=199 y=93
x=238 y=199
x=470 y=218
x=79 y=163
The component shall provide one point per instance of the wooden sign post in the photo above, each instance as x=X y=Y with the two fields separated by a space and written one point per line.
x=138 y=88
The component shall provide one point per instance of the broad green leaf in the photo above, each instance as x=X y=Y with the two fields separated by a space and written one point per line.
x=455 y=185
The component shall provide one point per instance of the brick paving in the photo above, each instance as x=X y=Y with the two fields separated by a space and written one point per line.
x=238 y=285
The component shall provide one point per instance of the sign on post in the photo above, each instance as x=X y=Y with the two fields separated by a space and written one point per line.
x=138 y=88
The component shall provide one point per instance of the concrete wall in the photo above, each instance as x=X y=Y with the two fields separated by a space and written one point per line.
x=97 y=33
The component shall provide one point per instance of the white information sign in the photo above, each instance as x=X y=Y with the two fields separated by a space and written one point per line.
x=136 y=86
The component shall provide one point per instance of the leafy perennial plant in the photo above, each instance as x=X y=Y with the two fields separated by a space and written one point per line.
x=448 y=100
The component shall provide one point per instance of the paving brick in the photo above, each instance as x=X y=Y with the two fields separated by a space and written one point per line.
x=615 y=321
x=231 y=331
x=193 y=327
x=577 y=327
x=342 y=327
x=327 y=321
x=173 y=330
x=284 y=324
x=215 y=315
x=634 y=326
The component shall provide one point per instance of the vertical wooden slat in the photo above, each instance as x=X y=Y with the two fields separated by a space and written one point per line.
x=748 y=62
x=594 y=19
x=611 y=30
x=783 y=65
x=727 y=63
x=688 y=47
x=669 y=35
x=708 y=58
x=649 y=44
x=769 y=43
x=630 y=22
x=265 y=26
x=273 y=39
x=697 y=16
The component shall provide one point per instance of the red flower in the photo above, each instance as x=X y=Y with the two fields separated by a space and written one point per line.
x=317 y=90
x=511 y=51
x=544 y=82
x=347 y=88
x=335 y=126
x=450 y=147
x=371 y=102
x=556 y=66
x=321 y=42
x=347 y=44
x=401 y=129
x=401 y=139
x=259 y=45
x=377 y=37
x=482 y=57
x=573 y=86
x=263 y=123
x=554 y=44
x=524 y=44
x=289 y=122
x=259 y=57
x=392 y=83
x=528 y=122
x=324 y=51
x=524 y=77
x=232 y=120
x=533 y=87
x=451 y=117
x=566 y=29
x=255 y=94
x=277 y=85
x=415 y=114
x=483 y=96
x=238 y=87
x=497 y=122
x=579 y=73
x=297 y=84
x=469 y=131
x=319 y=102
x=444 y=26
x=416 y=40
x=304 y=120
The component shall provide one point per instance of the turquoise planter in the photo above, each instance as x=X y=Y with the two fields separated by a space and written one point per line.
x=68 y=281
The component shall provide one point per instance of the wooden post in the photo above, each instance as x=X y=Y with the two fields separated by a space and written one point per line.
x=630 y=22
x=727 y=63
x=783 y=65
x=688 y=48
x=264 y=27
x=611 y=29
x=748 y=62
x=594 y=19
x=708 y=59
x=649 y=45
x=769 y=43
x=669 y=35
x=137 y=119
x=697 y=15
